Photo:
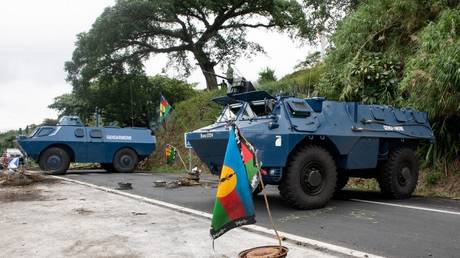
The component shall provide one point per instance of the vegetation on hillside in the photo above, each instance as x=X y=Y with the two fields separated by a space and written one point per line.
x=402 y=53
x=188 y=115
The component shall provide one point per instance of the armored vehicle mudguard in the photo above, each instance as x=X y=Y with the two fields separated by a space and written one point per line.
x=118 y=149
x=310 y=147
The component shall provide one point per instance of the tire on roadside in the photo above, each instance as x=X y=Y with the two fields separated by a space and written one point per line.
x=125 y=160
x=54 y=161
x=398 y=176
x=310 y=179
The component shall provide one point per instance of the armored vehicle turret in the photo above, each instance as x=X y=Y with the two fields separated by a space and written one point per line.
x=310 y=147
x=117 y=149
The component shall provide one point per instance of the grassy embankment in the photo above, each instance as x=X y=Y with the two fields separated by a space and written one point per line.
x=187 y=115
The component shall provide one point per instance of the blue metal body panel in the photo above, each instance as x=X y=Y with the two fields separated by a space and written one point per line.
x=357 y=135
x=88 y=144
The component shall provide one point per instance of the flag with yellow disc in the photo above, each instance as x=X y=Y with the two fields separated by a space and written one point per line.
x=233 y=206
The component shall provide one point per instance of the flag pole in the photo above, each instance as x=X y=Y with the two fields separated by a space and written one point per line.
x=267 y=206
x=178 y=154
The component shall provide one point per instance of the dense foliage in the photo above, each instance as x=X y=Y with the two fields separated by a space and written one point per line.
x=403 y=53
x=125 y=100
x=301 y=83
x=432 y=82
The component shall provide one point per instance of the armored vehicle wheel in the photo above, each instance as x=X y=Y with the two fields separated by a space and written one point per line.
x=107 y=166
x=54 y=161
x=125 y=160
x=398 y=176
x=342 y=181
x=310 y=179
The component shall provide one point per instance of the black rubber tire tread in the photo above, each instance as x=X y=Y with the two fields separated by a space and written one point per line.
x=290 y=187
x=388 y=172
x=56 y=151
x=107 y=166
x=342 y=181
x=116 y=160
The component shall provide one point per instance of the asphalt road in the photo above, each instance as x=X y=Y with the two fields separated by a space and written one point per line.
x=416 y=227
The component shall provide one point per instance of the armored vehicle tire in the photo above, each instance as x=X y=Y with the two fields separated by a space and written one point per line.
x=342 y=181
x=310 y=179
x=398 y=176
x=125 y=160
x=107 y=166
x=54 y=161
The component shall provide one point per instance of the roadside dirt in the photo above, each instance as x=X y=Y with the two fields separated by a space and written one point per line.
x=21 y=194
x=22 y=178
x=69 y=220
x=21 y=186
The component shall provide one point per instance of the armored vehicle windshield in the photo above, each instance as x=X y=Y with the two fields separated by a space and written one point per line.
x=245 y=111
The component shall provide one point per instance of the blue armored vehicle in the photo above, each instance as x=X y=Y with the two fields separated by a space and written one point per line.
x=118 y=149
x=311 y=147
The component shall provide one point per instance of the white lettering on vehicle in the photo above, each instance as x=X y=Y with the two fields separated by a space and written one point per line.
x=206 y=135
x=393 y=128
x=278 y=141
x=119 y=137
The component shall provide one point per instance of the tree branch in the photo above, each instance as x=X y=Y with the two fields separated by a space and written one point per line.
x=247 y=25
x=154 y=49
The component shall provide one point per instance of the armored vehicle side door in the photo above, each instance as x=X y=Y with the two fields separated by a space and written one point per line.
x=95 y=144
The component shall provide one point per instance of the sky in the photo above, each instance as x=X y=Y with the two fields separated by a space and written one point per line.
x=37 y=37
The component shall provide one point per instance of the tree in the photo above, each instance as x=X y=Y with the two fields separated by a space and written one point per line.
x=210 y=31
x=266 y=75
x=124 y=99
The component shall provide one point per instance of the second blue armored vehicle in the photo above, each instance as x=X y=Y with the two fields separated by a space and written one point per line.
x=118 y=149
x=311 y=147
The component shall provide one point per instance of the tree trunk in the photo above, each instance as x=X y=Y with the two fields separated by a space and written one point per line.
x=207 y=68
x=211 y=80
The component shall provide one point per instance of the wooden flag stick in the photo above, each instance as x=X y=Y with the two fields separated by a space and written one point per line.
x=268 y=208
x=178 y=154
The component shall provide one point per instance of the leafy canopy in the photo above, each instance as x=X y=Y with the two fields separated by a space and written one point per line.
x=125 y=100
x=209 y=31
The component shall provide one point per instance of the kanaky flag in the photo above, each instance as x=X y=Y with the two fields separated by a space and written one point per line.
x=170 y=153
x=248 y=154
x=165 y=109
x=233 y=206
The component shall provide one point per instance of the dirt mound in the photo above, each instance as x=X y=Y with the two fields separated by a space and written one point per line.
x=23 y=178
x=27 y=194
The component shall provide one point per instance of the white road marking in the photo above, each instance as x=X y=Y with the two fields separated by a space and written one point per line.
x=251 y=228
x=408 y=206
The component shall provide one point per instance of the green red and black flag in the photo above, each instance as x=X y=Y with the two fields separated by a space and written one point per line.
x=233 y=206
x=170 y=153
x=165 y=110
x=248 y=154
